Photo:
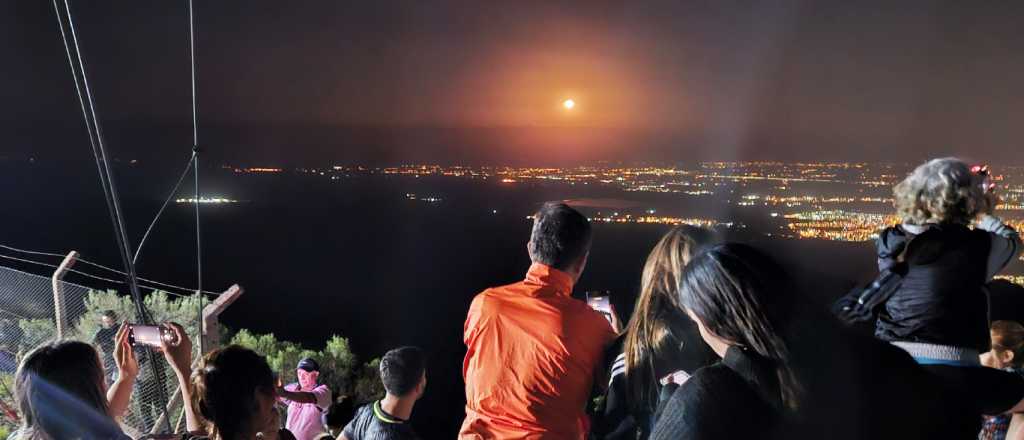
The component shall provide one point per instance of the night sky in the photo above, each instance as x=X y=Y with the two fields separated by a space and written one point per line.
x=448 y=81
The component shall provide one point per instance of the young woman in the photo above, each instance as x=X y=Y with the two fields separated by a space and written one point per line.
x=660 y=345
x=62 y=393
x=787 y=371
x=1007 y=354
x=235 y=391
x=939 y=314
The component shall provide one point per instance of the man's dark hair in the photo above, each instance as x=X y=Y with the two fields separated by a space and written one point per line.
x=402 y=369
x=560 y=237
x=109 y=314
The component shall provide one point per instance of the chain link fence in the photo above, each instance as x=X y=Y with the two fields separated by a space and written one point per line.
x=28 y=317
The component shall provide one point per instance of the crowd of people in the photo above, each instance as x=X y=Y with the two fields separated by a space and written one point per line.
x=721 y=345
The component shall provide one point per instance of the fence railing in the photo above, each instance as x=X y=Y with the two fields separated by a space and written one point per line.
x=36 y=308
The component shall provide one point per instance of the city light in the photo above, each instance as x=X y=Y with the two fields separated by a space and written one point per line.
x=206 y=200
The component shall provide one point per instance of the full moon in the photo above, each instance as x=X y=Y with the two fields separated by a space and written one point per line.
x=568 y=104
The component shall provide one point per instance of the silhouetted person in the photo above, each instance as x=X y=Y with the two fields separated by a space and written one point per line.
x=234 y=390
x=337 y=416
x=788 y=370
x=104 y=340
x=533 y=351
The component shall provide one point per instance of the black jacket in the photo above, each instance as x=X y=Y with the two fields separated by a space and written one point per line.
x=942 y=299
x=736 y=398
x=854 y=387
x=622 y=416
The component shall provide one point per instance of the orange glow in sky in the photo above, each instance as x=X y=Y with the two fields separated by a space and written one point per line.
x=568 y=104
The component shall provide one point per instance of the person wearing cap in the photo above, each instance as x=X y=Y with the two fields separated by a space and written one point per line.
x=306 y=400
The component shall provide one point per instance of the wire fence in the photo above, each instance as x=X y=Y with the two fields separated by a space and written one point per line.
x=29 y=315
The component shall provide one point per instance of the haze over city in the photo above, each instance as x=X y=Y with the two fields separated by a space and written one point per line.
x=366 y=168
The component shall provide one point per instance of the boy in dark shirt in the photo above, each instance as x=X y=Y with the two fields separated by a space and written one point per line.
x=404 y=373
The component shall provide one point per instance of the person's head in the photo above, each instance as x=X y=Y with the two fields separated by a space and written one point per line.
x=1007 y=345
x=657 y=319
x=404 y=372
x=61 y=393
x=740 y=297
x=233 y=388
x=338 y=415
x=307 y=371
x=940 y=191
x=560 y=238
x=108 y=318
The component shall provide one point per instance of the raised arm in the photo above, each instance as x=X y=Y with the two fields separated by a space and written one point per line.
x=119 y=394
x=1006 y=243
x=180 y=358
x=296 y=396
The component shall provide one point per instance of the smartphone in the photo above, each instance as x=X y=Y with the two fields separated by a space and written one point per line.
x=677 y=377
x=602 y=304
x=987 y=185
x=151 y=335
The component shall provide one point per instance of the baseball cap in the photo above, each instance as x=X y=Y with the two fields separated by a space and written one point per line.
x=308 y=364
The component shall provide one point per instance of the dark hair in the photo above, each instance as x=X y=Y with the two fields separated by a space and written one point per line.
x=1009 y=336
x=402 y=369
x=658 y=323
x=744 y=296
x=61 y=393
x=109 y=314
x=224 y=387
x=560 y=237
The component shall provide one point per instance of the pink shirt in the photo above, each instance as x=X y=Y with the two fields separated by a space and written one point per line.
x=304 y=418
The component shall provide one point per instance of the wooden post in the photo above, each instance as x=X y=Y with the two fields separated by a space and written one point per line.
x=59 y=305
x=211 y=313
x=210 y=339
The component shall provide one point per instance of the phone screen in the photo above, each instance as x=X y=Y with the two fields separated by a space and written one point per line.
x=145 y=335
x=602 y=304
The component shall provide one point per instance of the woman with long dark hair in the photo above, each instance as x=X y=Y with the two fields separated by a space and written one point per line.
x=787 y=371
x=739 y=302
x=660 y=346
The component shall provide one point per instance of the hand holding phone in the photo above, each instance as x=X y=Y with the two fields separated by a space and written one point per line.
x=987 y=185
x=152 y=335
x=602 y=304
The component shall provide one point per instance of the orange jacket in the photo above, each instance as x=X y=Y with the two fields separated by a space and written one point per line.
x=532 y=355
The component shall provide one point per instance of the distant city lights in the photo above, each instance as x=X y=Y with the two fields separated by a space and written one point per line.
x=206 y=200
x=428 y=199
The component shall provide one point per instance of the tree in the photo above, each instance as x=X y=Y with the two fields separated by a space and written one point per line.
x=35 y=332
x=368 y=387
x=338 y=362
x=339 y=366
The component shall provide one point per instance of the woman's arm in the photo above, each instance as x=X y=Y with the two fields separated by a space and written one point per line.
x=1006 y=243
x=180 y=358
x=890 y=244
x=120 y=393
